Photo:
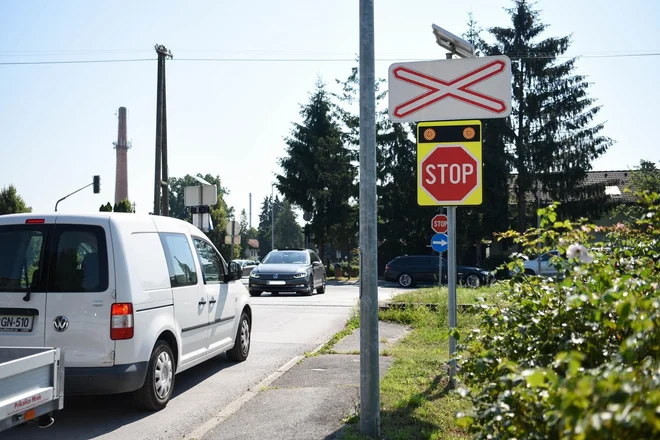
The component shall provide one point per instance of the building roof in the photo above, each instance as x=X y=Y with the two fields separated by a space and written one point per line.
x=253 y=243
x=615 y=184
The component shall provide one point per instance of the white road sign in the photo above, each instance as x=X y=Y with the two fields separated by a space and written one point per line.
x=468 y=88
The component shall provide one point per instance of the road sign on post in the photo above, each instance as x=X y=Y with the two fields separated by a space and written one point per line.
x=439 y=224
x=449 y=163
x=440 y=242
x=473 y=88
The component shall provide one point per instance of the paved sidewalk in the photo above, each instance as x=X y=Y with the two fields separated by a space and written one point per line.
x=311 y=400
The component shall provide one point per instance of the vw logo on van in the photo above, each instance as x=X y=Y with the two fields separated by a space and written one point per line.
x=60 y=323
x=275 y=276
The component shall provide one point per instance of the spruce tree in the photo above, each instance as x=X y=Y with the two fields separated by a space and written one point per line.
x=551 y=131
x=288 y=233
x=318 y=173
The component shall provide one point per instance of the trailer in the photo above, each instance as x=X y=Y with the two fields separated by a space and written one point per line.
x=31 y=385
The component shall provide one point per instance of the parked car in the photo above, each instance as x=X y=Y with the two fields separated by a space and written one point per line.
x=133 y=299
x=288 y=270
x=246 y=266
x=409 y=270
x=544 y=263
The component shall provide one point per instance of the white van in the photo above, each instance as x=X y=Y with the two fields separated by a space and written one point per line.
x=133 y=299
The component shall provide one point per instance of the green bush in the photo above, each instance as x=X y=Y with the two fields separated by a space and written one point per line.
x=576 y=356
x=350 y=271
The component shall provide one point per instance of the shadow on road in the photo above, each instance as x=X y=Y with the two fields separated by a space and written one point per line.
x=85 y=417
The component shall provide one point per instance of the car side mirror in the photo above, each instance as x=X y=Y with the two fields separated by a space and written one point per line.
x=235 y=271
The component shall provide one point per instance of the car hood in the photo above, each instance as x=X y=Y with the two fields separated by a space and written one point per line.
x=280 y=268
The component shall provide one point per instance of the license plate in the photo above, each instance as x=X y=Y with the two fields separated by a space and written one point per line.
x=279 y=283
x=16 y=323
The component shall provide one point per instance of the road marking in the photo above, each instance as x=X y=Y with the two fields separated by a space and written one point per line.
x=234 y=406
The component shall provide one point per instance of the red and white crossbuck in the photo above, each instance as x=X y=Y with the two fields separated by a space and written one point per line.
x=493 y=99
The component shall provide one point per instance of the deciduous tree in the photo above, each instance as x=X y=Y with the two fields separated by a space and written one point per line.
x=11 y=202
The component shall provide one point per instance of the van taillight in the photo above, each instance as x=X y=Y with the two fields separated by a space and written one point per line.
x=32 y=221
x=121 y=321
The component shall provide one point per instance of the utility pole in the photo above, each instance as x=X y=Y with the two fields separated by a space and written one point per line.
x=160 y=178
x=369 y=368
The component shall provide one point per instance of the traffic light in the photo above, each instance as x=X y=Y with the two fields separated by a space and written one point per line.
x=97 y=184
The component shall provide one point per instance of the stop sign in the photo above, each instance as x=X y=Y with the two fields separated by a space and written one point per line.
x=439 y=223
x=449 y=174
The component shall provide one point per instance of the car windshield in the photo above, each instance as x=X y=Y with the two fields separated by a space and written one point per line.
x=286 y=257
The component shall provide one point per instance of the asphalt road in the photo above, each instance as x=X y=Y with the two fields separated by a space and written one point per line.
x=285 y=326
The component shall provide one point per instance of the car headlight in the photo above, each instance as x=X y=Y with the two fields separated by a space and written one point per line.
x=254 y=274
x=300 y=275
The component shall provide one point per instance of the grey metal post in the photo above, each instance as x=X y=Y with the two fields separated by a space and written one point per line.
x=440 y=262
x=369 y=369
x=538 y=231
x=272 y=219
x=233 y=234
x=451 y=284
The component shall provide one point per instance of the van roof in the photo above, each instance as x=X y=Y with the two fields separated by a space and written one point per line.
x=120 y=217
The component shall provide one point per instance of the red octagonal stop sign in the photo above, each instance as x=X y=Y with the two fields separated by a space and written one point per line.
x=449 y=173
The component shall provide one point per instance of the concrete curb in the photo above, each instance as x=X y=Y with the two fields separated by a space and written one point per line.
x=234 y=406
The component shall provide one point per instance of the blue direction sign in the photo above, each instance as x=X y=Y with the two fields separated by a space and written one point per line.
x=440 y=242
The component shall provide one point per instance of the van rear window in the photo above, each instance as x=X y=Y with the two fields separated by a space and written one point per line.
x=78 y=259
x=81 y=260
x=21 y=257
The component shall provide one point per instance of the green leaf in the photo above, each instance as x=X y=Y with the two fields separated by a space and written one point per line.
x=464 y=420
x=534 y=378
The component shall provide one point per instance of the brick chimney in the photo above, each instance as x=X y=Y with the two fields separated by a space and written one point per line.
x=122 y=146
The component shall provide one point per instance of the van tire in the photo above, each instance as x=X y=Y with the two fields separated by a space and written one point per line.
x=148 y=397
x=241 y=348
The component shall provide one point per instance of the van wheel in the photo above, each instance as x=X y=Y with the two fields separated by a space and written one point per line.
x=241 y=347
x=159 y=383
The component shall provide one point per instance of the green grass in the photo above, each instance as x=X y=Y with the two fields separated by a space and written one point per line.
x=416 y=402
x=438 y=295
x=352 y=323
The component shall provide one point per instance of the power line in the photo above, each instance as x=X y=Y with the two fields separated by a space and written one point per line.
x=21 y=63
x=307 y=60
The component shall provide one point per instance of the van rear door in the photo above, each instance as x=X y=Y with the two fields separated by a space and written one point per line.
x=23 y=274
x=81 y=288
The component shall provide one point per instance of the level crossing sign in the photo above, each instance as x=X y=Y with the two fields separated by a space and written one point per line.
x=449 y=163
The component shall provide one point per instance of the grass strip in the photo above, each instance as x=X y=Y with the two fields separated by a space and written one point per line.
x=416 y=402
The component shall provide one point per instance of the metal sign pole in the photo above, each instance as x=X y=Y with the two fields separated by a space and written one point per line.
x=440 y=263
x=369 y=368
x=233 y=234
x=451 y=284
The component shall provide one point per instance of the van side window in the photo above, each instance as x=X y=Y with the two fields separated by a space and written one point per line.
x=180 y=261
x=211 y=262
x=81 y=260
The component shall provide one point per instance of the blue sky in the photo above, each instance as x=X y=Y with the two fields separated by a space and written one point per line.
x=230 y=118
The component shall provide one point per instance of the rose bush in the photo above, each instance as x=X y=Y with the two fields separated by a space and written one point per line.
x=575 y=356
